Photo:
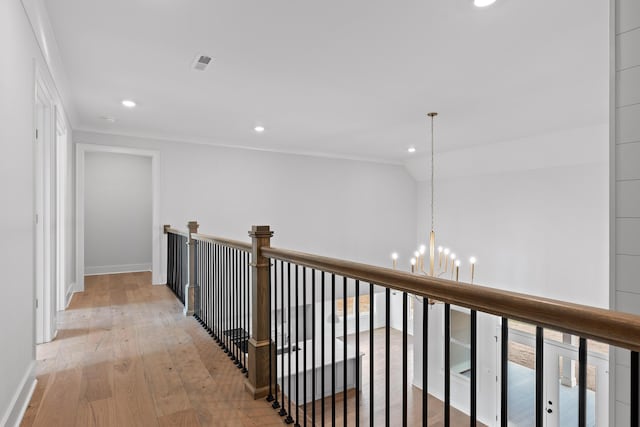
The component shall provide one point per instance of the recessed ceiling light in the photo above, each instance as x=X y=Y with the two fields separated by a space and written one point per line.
x=483 y=3
x=259 y=129
x=108 y=119
x=412 y=149
x=128 y=103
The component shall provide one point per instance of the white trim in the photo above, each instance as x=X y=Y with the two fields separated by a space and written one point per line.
x=21 y=398
x=60 y=155
x=115 y=269
x=70 y=291
x=40 y=23
x=205 y=141
x=45 y=146
x=156 y=231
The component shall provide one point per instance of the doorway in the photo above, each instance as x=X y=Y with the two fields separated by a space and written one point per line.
x=82 y=152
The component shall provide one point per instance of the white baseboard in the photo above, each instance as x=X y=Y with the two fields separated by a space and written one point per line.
x=21 y=399
x=69 y=295
x=114 y=269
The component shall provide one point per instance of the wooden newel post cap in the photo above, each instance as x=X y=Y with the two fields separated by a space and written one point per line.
x=193 y=226
x=165 y=228
x=260 y=231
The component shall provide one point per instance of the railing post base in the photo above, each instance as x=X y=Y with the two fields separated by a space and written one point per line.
x=258 y=353
x=189 y=288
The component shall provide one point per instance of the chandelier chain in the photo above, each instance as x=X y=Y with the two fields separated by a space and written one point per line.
x=432 y=175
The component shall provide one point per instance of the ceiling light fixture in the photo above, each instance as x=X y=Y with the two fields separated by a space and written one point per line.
x=259 y=129
x=483 y=3
x=412 y=149
x=429 y=260
x=128 y=103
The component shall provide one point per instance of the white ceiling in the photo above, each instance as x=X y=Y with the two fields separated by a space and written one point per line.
x=346 y=78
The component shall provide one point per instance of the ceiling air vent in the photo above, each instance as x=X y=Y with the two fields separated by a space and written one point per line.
x=201 y=62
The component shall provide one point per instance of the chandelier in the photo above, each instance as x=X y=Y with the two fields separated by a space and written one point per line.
x=448 y=263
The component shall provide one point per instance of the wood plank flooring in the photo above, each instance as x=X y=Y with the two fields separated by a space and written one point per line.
x=126 y=356
x=414 y=394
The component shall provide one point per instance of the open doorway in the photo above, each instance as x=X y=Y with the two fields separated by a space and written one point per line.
x=117 y=200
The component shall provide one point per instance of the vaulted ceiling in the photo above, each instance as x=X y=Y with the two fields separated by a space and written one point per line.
x=346 y=78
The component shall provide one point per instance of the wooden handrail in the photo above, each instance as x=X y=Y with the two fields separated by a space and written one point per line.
x=168 y=230
x=607 y=326
x=224 y=242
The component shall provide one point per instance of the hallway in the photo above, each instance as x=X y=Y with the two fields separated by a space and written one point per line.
x=126 y=356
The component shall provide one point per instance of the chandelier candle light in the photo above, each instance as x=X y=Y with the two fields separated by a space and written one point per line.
x=445 y=256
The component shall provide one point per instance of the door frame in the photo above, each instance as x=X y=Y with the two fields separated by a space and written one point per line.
x=45 y=245
x=156 y=228
x=62 y=166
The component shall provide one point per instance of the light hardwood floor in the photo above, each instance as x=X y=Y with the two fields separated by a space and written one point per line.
x=414 y=394
x=126 y=356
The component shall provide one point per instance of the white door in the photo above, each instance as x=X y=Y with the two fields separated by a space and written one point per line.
x=561 y=381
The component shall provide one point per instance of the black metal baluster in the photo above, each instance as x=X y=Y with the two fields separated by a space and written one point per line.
x=220 y=296
x=322 y=340
x=229 y=334
x=172 y=246
x=241 y=337
x=205 y=279
x=333 y=349
x=282 y=412
x=297 y=346
x=357 y=370
x=387 y=362
x=504 y=372
x=217 y=293
x=539 y=376
x=345 y=302
x=196 y=282
x=270 y=397
x=238 y=286
x=304 y=346
x=405 y=371
x=206 y=291
x=236 y=307
x=225 y=299
x=371 y=371
x=169 y=263
x=210 y=293
x=425 y=364
x=447 y=365
x=582 y=383
x=247 y=287
x=635 y=389
x=289 y=419
x=275 y=404
x=313 y=347
x=473 y=386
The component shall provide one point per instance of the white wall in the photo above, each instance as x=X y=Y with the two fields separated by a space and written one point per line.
x=534 y=212
x=343 y=208
x=625 y=185
x=118 y=204
x=20 y=51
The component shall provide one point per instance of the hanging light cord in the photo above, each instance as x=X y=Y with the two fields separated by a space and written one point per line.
x=432 y=176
